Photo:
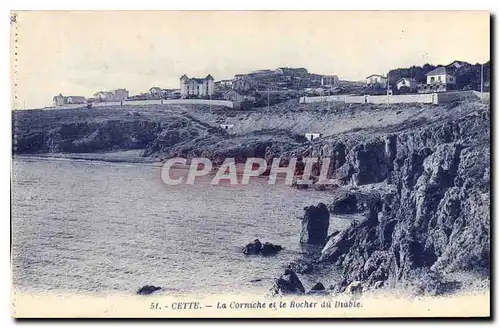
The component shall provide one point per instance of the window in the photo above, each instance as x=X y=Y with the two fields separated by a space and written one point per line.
x=432 y=79
x=439 y=78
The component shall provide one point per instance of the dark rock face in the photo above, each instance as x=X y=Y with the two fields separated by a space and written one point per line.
x=270 y=249
x=344 y=203
x=315 y=225
x=147 y=289
x=256 y=247
x=288 y=284
x=437 y=216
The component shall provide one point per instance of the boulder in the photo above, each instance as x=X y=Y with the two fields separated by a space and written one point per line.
x=253 y=248
x=270 y=249
x=355 y=288
x=318 y=286
x=318 y=289
x=315 y=225
x=288 y=284
x=147 y=289
x=378 y=284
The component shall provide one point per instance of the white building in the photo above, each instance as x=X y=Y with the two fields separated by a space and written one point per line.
x=438 y=80
x=61 y=100
x=329 y=81
x=226 y=83
x=407 y=82
x=440 y=75
x=312 y=136
x=197 y=87
x=376 y=80
x=227 y=126
x=113 y=95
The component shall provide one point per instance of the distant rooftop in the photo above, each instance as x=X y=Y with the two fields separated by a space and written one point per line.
x=375 y=75
x=438 y=71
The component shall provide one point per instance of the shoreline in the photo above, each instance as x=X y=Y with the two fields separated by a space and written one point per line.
x=122 y=156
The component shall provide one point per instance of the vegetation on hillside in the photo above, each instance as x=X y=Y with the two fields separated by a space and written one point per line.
x=468 y=75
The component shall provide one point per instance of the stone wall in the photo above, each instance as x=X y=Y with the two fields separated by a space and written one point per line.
x=384 y=99
x=224 y=103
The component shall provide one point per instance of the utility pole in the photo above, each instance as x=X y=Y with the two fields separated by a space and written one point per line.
x=482 y=72
x=387 y=88
x=268 y=97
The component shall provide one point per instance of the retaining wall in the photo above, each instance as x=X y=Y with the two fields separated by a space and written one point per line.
x=224 y=103
x=486 y=95
x=446 y=97
x=423 y=98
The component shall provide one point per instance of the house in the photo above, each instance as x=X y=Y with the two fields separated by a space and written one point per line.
x=226 y=126
x=291 y=71
x=198 y=87
x=120 y=94
x=458 y=64
x=240 y=77
x=438 y=80
x=103 y=96
x=157 y=92
x=312 y=136
x=407 y=83
x=440 y=75
x=174 y=93
x=76 y=100
x=61 y=100
x=329 y=81
x=242 y=84
x=225 y=83
x=114 y=95
x=376 y=80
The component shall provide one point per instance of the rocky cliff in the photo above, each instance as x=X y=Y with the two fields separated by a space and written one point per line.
x=158 y=134
x=436 y=215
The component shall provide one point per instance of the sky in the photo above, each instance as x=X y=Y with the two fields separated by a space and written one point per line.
x=80 y=53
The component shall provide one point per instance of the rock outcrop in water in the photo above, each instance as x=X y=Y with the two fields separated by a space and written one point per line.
x=256 y=247
x=147 y=290
x=436 y=216
x=288 y=284
x=315 y=225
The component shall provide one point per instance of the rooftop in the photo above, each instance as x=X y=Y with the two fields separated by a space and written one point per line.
x=438 y=71
x=407 y=78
